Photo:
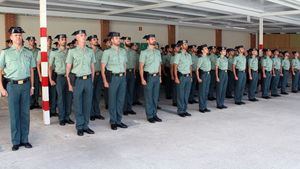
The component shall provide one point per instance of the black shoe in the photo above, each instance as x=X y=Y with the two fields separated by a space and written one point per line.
x=256 y=100
x=158 y=107
x=229 y=97
x=106 y=107
x=125 y=113
x=294 y=91
x=62 y=123
x=195 y=101
x=174 y=104
x=132 y=112
x=187 y=114
x=137 y=103
x=53 y=114
x=80 y=132
x=275 y=95
x=113 y=126
x=122 y=125
x=92 y=118
x=252 y=100
x=89 y=131
x=224 y=107
x=99 y=117
x=206 y=110
x=284 y=93
x=238 y=103
x=15 y=147
x=202 y=111
x=266 y=97
x=31 y=107
x=181 y=114
x=220 y=107
x=191 y=102
x=26 y=145
x=168 y=98
x=211 y=98
x=69 y=121
x=157 y=119
x=243 y=103
x=151 y=120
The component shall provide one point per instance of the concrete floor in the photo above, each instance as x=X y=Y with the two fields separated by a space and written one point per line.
x=262 y=135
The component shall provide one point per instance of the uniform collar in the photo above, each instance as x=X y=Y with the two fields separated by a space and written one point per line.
x=15 y=48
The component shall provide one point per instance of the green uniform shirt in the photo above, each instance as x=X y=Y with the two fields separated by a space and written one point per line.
x=151 y=59
x=296 y=64
x=222 y=63
x=240 y=62
x=166 y=60
x=213 y=59
x=35 y=52
x=286 y=64
x=81 y=60
x=204 y=63
x=115 y=59
x=98 y=57
x=194 y=61
x=230 y=63
x=17 y=63
x=267 y=63
x=183 y=62
x=131 y=59
x=172 y=60
x=276 y=63
x=58 y=61
x=253 y=63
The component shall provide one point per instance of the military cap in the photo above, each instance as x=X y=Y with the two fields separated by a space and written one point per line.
x=78 y=32
x=222 y=48
x=266 y=50
x=211 y=47
x=238 y=47
x=202 y=47
x=92 y=37
x=274 y=50
x=294 y=52
x=113 y=34
x=59 y=36
x=15 y=30
x=30 y=38
x=180 y=42
x=149 y=36
x=125 y=38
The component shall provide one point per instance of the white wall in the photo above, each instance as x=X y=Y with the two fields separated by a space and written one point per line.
x=131 y=29
x=231 y=39
x=58 y=25
x=2 y=31
x=197 y=36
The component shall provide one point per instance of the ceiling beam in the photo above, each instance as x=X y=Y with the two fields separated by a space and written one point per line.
x=139 y=8
x=213 y=17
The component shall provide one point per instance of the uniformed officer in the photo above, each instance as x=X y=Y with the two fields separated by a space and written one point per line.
x=107 y=45
x=295 y=72
x=150 y=72
x=286 y=65
x=80 y=62
x=57 y=65
x=230 y=85
x=277 y=73
x=130 y=75
x=52 y=87
x=193 y=50
x=166 y=71
x=221 y=78
x=239 y=67
x=212 y=85
x=138 y=86
x=203 y=77
x=253 y=74
x=114 y=78
x=98 y=83
x=35 y=97
x=17 y=63
x=182 y=75
x=267 y=73
x=176 y=49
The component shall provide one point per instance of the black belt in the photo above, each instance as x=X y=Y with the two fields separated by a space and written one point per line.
x=222 y=70
x=118 y=74
x=130 y=70
x=152 y=74
x=61 y=75
x=19 y=81
x=202 y=71
x=254 y=70
x=184 y=75
x=85 y=77
x=240 y=70
x=98 y=73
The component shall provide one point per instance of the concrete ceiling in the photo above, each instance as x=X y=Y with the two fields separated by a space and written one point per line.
x=242 y=15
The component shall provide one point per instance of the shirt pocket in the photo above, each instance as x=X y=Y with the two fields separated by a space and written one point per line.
x=12 y=61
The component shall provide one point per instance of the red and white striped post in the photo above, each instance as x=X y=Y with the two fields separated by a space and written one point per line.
x=261 y=36
x=44 y=61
